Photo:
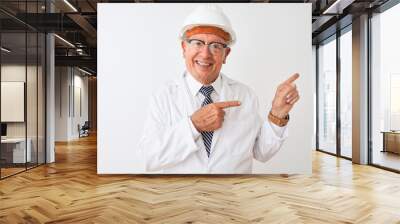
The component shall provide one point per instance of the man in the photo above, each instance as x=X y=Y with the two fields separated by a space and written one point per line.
x=206 y=122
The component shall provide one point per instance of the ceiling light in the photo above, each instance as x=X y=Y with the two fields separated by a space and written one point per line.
x=84 y=71
x=70 y=5
x=65 y=41
x=79 y=51
x=5 y=50
x=338 y=6
x=331 y=7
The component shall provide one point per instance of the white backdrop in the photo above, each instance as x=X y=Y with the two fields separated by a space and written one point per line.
x=139 y=50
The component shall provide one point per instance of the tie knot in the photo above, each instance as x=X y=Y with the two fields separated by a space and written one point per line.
x=206 y=90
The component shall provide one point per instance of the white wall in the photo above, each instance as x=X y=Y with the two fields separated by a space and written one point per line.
x=139 y=50
x=80 y=84
x=67 y=117
x=61 y=103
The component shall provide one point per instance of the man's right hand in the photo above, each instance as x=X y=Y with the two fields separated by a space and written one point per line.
x=211 y=116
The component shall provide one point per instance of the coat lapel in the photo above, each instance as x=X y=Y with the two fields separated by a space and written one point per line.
x=186 y=99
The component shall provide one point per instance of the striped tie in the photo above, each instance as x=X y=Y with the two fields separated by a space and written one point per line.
x=207 y=135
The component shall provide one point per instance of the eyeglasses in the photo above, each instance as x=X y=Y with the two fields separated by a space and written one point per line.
x=213 y=47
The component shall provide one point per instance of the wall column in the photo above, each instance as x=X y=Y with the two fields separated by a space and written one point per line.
x=360 y=90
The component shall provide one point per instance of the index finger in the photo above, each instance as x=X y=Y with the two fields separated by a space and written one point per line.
x=227 y=104
x=292 y=78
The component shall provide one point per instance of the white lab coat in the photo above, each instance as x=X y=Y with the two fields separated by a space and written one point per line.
x=169 y=146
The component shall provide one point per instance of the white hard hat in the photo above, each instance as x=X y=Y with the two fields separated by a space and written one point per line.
x=208 y=15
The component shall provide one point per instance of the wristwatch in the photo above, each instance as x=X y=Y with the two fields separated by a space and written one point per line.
x=278 y=121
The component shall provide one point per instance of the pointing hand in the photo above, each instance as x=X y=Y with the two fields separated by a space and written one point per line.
x=211 y=116
x=285 y=97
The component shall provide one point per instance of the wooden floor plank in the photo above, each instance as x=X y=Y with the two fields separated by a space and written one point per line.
x=70 y=191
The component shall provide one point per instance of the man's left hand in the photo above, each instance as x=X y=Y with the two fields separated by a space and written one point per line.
x=285 y=97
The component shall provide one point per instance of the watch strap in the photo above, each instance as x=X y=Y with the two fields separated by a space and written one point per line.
x=278 y=121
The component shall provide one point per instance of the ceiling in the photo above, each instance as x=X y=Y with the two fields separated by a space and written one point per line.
x=76 y=22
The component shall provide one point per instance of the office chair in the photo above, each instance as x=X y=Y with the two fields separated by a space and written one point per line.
x=84 y=130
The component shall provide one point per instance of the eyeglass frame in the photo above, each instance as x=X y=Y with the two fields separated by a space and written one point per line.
x=224 y=46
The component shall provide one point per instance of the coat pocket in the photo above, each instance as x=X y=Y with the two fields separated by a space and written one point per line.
x=239 y=135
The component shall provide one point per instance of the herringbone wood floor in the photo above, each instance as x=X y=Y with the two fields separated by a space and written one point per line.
x=70 y=191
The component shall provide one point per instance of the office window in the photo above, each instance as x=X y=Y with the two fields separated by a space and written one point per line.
x=327 y=96
x=394 y=101
x=385 y=87
x=346 y=94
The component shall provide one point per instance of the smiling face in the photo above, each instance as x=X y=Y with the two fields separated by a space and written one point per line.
x=201 y=63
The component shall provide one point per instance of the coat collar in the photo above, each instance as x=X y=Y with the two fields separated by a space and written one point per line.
x=194 y=86
x=225 y=80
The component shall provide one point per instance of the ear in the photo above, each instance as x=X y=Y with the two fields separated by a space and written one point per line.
x=227 y=51
x=183 y=48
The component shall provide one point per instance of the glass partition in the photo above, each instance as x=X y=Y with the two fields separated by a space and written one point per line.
x=22 y=77
x=13 y=109
x=41 y=111
x=32 y=95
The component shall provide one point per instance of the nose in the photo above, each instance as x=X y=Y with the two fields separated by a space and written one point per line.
x=205 y=51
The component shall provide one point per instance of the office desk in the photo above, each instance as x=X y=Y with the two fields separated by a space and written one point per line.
x=13 y=150
x=391 y=141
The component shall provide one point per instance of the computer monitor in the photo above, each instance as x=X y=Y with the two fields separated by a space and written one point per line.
x=3 y=129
